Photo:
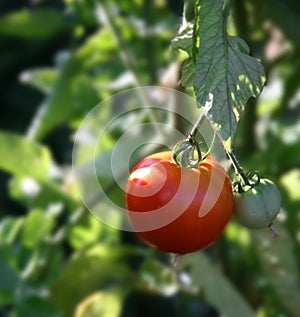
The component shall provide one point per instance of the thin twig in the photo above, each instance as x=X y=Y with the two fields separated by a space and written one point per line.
x=128 y=61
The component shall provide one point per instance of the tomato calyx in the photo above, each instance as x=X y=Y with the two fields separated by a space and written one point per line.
x=187 y=153
x=245 y=182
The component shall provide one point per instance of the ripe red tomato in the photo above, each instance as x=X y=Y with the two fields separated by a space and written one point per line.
x=178 y=210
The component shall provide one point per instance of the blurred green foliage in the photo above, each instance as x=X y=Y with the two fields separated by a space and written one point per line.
x=61 y=58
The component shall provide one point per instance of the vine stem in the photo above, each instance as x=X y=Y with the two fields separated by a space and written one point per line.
x=127 y=59
x=203 y=114
x=273 y=230
x=237 y=167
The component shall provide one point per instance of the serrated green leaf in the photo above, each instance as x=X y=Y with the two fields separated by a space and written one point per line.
x=188 y=72
x=217 y=289
x=24 y=157
x=32 y=24
x=184 y=40
x=224 y=70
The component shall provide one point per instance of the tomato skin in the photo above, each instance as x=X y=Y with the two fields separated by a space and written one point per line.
x=176 y=196
x=258 y=206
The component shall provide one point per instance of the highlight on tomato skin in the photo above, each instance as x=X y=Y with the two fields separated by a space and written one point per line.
x=178 y=210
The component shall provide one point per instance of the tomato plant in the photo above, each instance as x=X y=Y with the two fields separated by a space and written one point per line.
x=258 y=206
x=178 y=210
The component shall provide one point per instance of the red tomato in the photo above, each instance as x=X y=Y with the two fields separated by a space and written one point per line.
x=178 y=210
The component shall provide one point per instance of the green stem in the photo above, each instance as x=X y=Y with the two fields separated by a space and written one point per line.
x=194 y=130
x=128 y=60
x=237 y=167
x=149 y=41
x=203 y=115
x=126 y=57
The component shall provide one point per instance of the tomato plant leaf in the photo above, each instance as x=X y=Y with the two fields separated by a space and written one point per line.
x=183 y=40
x=219 y=66
x=188 y=72
x=224 y=69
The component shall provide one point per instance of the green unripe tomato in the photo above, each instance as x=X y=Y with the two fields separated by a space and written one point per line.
x=258 y=206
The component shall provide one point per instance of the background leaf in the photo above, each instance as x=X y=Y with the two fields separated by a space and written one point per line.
x=21 y=156
x=106 y=303
x=103 y=264
x=37 y=306
x=10 y=228
x=36 y=227
x=35 y=24
x=157 y=278
x=61 y=58
x=42 y=78
x=225 y=296
x=280 y=265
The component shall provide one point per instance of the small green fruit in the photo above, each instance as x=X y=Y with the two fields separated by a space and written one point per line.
x=259 y=205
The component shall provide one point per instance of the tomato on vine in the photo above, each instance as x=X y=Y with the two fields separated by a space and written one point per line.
x=258 y=205
x=176 y=209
